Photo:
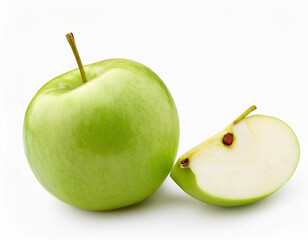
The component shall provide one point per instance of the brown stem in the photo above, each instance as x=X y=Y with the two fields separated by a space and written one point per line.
x=71 y=41
x=244 y=114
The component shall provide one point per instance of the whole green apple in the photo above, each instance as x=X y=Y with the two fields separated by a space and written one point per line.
x=106 y=143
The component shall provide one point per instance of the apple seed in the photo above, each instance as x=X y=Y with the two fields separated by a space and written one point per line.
x=184 y=163
x=228 y=139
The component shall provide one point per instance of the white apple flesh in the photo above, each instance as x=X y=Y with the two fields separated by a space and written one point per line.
x=250 y=159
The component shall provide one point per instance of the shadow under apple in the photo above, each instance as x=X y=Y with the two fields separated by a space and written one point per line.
x=164 y=200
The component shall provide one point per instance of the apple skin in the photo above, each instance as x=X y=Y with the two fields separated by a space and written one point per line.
x=105 y=144
x=186 y=179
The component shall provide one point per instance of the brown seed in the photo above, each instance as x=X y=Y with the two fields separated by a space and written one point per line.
x=184 y=163
x=228 y=139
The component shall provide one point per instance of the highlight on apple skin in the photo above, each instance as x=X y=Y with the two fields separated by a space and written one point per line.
x=248 y=160
x=103 y=136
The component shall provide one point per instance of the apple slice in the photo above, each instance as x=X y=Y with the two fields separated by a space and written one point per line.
x=247 y=161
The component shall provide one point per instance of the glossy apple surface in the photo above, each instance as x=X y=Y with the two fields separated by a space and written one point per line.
x=105 y=144
x=247 y=161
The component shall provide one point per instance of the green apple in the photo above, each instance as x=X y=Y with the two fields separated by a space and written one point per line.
x=104 y=136
x=247 y=161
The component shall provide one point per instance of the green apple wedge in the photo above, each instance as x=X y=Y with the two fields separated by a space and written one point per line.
x=103 y=136
x=245 y=162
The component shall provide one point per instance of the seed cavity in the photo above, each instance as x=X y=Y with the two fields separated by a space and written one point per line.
x=184 y=163
x=228 y=139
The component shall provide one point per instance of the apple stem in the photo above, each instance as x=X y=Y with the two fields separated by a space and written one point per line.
x=71 y=41
x=244 y=114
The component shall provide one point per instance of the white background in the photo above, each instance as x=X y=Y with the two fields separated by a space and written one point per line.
x=216 y=57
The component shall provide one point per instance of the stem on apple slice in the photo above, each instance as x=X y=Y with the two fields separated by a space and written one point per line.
x=244 y=114
x=71 y=41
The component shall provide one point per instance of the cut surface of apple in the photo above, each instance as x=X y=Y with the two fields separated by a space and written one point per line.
x=247 y=161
